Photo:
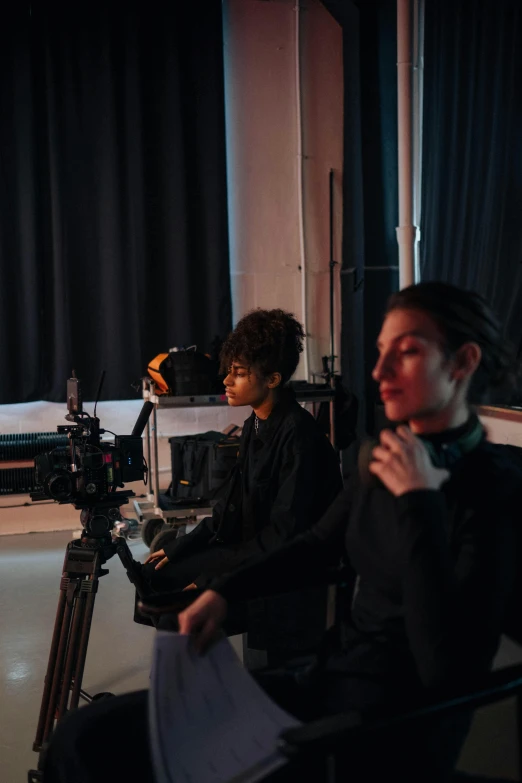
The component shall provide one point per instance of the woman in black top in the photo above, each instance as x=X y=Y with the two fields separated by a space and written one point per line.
x=430 y=533
x=286 y=476
x=429 y=530
x=287 y=473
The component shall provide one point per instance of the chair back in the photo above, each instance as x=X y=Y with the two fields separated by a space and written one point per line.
x=513 y=620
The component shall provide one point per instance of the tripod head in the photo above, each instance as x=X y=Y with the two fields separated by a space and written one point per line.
x=98 y=518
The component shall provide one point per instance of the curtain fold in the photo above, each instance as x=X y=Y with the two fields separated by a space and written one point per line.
x=113 y=218
x=471 y=231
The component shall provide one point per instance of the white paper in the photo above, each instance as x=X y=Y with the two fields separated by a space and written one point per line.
x=209 y=720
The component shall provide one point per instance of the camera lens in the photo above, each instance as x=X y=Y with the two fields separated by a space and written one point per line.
x=59 y=486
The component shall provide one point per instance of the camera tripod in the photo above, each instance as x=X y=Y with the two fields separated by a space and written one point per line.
x=82 y=570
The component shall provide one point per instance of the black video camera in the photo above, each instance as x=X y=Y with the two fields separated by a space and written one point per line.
x=88 y=471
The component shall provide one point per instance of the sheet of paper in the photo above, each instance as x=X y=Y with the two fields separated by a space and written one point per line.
x=209 y=720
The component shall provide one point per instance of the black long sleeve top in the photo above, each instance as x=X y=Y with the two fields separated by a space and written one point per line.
x=286 y=477
x=435 y=570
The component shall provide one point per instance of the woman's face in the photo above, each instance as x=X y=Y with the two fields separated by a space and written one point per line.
x=244 y=386
x=416 y=380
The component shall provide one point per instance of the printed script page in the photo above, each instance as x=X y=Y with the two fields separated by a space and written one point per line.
x=209 y=720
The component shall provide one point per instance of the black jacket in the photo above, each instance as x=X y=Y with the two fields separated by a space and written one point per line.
x=435 y=572
x=296 y=477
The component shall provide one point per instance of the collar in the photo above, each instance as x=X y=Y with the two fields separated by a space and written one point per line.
x=447 y=447
x=269 y=427
x=455 y=433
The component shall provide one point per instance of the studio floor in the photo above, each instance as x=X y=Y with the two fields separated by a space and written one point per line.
x=119 y=655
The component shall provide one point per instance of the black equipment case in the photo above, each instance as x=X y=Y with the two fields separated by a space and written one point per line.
x=201 y=464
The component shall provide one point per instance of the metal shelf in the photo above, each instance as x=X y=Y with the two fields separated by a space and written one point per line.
x=213 y=400
x=151 y=507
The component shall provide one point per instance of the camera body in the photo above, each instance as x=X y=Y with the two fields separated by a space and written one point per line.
x=87 y=471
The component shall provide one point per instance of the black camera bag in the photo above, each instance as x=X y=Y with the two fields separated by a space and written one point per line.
x=201 y=464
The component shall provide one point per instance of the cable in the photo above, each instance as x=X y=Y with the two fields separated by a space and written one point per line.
x=32 y=503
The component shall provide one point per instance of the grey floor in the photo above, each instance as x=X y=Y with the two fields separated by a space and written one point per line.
x=119 y=649
x=119 y=655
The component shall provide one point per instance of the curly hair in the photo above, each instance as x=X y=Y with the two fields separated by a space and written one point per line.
x=265 y=340
x=463 y=316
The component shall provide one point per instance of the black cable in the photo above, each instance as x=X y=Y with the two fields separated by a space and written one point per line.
x=98 y=393
x=32 y=503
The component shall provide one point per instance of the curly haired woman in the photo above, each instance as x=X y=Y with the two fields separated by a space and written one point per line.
x=287 y=472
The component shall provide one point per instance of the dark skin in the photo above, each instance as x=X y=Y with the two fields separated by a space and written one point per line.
x=243 y=386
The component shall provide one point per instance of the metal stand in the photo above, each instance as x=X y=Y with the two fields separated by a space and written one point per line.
x=82 y=570
x=151 y=507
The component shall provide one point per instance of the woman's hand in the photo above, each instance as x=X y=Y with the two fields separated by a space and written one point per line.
x=203 y=619
x=403 y=464
x=158 y=557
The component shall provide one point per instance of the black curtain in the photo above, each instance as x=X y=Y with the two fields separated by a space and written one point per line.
x=471 y=228
x=370 y=200
x=113 y=220
x=378 y=24
x=346 y=13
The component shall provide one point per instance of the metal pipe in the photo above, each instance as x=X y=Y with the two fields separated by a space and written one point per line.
x=331 y=267
x=406 y=229
x=155 y=458
x=146 y=391
x=417 y=100
x=300 y=189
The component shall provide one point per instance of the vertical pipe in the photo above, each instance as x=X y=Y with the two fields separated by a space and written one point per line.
x=146 y=396
x=332 y=323
x=417 y=101
x=300 y=189
x=406 y=229
x=332 y=280
x=155 y=457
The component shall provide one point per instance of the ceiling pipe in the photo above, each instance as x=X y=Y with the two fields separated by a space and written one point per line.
x=406 y=230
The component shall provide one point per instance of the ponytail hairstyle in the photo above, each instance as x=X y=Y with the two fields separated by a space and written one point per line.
x=265 y=340
x=463 y=316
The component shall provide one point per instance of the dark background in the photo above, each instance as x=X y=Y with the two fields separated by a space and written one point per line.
x=113 y=220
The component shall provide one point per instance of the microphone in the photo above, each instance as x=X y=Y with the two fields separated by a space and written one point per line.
x=141 y=421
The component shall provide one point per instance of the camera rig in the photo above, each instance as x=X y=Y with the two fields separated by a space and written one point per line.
x=88 y=471
x=90 y=474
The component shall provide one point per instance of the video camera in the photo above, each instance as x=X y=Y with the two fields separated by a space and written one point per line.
x=88 y=471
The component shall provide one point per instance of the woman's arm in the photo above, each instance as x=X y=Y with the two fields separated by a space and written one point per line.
x=454 y=602
x=298 y=563
x=301 y=562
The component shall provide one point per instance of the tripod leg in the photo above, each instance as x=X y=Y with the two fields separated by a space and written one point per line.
x=92 y=587
x=62 y=647
x=50 y=669
x=72 y=647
